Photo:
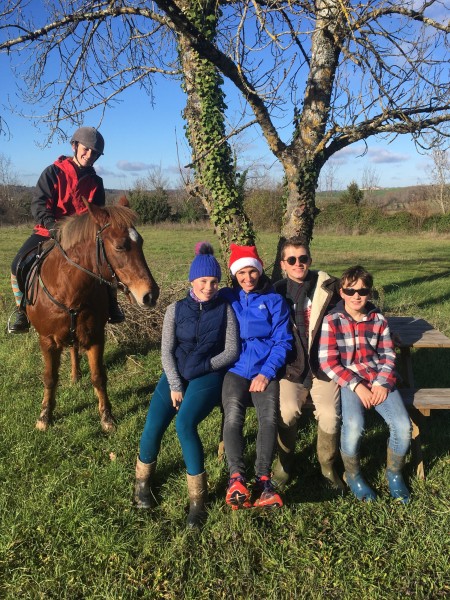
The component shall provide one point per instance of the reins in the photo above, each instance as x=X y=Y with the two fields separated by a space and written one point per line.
x=101 y=259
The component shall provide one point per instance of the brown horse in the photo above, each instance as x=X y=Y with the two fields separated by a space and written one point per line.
x=67 y=294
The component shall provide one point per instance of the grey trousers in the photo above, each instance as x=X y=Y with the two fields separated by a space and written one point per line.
x=236 y=399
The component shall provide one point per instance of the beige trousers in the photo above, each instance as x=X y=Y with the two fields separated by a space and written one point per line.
x=326 y=399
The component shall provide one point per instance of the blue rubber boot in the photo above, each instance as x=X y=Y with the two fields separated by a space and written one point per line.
x=355 y=481
x=397 y=486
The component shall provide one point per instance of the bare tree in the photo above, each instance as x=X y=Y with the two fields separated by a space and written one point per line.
x=8 y=179
x=370 y=182
x=440 y=179
x=324 y=75
x=328 y=180
x=351 y=70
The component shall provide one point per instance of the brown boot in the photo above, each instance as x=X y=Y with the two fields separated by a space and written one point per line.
x=143 y=495
x=327 y=452
x=282 y=467
x=198 y=493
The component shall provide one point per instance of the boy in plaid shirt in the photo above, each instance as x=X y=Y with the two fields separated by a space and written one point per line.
x=357 y=352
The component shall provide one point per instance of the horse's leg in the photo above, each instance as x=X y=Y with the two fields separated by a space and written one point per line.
x=52 y=360
x=98 y=378
x=75 y=363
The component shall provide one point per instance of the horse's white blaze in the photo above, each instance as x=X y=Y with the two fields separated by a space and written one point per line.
x=133 y=234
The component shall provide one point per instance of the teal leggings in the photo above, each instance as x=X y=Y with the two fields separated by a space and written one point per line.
x=201 y=395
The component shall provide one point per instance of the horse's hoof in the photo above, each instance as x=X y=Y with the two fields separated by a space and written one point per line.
x=107 y=424
x=42 y=424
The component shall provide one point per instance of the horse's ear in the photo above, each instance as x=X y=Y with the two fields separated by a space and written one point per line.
x=123 y=201
x=96 y=212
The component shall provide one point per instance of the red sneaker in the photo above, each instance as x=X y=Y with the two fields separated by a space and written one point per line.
x=238 y=495
x=267 y=494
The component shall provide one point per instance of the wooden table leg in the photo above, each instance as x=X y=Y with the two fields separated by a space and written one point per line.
x=416 y=443
x=406 y=358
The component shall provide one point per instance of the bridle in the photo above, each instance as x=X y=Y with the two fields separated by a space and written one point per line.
x=100 y=259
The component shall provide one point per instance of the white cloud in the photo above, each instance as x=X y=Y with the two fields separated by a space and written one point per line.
x=383 y=156
x=125 y=165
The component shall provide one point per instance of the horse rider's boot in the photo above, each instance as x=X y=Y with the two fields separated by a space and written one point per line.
x=116 y=314
x=327 y=452
x=143 y=495
x=397 y=486
x=355 y=481
x=21 y=323
x=282 y=467
x=198 y=493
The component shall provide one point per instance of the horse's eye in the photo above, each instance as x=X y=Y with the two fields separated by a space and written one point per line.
x=123 y=246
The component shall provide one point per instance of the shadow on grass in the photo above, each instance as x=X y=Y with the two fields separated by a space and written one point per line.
x=118 y=355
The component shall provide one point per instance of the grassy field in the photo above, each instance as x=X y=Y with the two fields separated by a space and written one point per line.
x=68 y=528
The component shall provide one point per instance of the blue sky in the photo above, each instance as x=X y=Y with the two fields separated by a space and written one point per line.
x=140 y=137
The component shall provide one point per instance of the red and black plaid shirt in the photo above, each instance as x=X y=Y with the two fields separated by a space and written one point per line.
x=351 y=352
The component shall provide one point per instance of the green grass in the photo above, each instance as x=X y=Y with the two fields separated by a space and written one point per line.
x=67 y=526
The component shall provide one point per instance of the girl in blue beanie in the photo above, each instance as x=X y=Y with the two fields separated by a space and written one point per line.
x=200 y=339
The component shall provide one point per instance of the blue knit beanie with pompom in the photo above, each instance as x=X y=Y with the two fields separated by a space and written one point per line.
x=204 y=263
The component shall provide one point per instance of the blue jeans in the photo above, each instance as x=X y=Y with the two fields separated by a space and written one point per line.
x=393 y=412
x=201 y=395
x=235 y=400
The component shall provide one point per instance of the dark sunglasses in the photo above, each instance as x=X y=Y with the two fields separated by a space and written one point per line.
x=352 y=292
x=291 y=260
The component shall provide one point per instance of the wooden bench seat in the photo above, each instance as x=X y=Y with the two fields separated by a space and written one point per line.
x=426 y=399
x=420 y=402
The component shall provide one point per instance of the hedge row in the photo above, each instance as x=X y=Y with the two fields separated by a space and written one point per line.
x=347 y=218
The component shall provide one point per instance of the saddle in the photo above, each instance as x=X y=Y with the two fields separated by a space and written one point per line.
x=28 y=269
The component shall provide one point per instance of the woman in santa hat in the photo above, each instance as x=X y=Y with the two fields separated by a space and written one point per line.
x=263 y=318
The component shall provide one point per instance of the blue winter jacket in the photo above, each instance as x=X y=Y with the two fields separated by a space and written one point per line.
x=263 y=317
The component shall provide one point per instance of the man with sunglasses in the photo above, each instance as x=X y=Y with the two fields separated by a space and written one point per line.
x=311 y=295
x=59 y=193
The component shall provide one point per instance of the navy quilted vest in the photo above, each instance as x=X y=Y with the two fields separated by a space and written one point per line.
x=200 y=331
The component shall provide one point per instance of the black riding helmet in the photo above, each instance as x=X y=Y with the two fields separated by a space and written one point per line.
x=89 y=137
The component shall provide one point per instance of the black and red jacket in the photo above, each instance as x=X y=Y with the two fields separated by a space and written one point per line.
x=60 y=190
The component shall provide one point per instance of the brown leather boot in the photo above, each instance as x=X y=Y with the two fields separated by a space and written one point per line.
x=143 y=495
x=198 y=493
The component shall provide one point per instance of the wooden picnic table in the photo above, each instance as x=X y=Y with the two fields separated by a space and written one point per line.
x=414 y=332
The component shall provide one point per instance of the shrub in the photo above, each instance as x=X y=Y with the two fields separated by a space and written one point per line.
x=190 y=210
x=353 y=195
x=264 y=207
x=152 y=207
x=438 y=223
x=350 y=218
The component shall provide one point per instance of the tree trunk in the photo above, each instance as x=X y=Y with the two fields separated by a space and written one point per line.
x=301 y=183
x=215 y=175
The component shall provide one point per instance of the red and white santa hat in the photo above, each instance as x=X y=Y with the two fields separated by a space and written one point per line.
x=244 y=256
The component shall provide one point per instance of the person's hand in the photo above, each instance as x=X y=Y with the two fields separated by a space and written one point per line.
x=258 y=384
x=177 y=399
x=364 y=394
x=379 y=394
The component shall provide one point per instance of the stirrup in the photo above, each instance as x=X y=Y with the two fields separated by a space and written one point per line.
x=21 y=323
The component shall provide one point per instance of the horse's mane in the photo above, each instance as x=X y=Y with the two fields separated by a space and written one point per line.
x=82 y=228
